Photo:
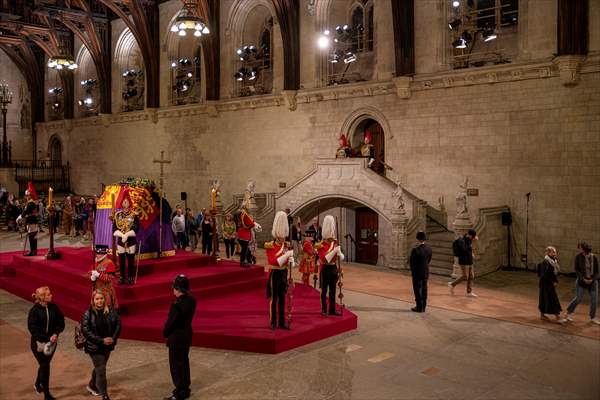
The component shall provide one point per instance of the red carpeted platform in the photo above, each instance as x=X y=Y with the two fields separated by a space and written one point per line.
x=232 y=311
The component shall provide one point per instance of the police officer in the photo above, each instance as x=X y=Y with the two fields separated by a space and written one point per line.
x=178 y=332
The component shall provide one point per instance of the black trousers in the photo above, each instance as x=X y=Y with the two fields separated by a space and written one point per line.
x=98 y=379
x=329 y=278
x=278 y=286
x=420 y=289
x=229 y=247
x=244 y=251
x=129 y=259
x=32 y=242
x=207 y=244
x=43 y=374
x=179 y=363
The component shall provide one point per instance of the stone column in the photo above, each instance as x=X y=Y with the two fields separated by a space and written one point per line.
x=399 y=258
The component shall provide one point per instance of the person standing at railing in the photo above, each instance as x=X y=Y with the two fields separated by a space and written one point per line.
x=68 y=212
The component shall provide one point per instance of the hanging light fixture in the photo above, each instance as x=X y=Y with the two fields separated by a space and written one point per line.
x=186 y=22
x=62 y=62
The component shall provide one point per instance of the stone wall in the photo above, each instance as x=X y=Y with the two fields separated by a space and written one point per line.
x=18 y=115
x=512 y=129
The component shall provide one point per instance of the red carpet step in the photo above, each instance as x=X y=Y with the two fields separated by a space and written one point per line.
x=232 y=311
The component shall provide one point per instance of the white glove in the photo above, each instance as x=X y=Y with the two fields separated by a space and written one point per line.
x=371 y=161
x=257 y=227
x=282 y=259
x=95 y=275
x=338 y=250
x=19 y=219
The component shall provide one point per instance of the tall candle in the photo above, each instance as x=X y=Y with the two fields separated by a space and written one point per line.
x=213 y=198
x=50 y=192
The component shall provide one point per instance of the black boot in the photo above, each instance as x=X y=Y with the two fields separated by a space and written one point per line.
x=131 y=267
x=122 y=261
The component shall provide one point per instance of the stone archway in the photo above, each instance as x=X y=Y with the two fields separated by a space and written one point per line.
x=350 y=179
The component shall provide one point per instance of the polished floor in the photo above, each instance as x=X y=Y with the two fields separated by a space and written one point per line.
x=454 y=351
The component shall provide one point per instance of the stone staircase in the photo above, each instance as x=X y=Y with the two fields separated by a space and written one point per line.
x=440 y=240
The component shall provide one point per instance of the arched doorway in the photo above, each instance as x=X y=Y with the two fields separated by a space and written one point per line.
x=358 y=226
x=55 y=150
x=372 y=128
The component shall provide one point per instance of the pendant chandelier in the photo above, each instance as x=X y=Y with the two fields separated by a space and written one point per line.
x=186 y=22
x=62 y=62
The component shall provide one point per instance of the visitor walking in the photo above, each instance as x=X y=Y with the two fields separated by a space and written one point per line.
x=229 y=234
x=548 y=271
x=207 y=234
x=178 y=226
x=45 y=322
x=101 y=327
x=191 y=230
x=463 y=250
x=586 y=268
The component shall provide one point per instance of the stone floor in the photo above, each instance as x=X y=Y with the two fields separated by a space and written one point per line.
x=454 y=351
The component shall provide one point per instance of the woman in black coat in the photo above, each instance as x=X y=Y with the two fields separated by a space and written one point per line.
x=207 y=234
x=101 y=327
x=45 y=322
x=548 y=272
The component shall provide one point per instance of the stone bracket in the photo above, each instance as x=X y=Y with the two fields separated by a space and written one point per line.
x=289 y=97
x=569 y=68
x=402 y=84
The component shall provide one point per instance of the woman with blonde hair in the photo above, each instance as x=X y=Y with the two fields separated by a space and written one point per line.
x=101 y=327
x=45 y=322
x=548 y=271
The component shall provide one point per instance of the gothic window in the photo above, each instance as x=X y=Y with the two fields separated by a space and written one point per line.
x=482 y=32
x=347 y=43
x=185 y=63
x=132 y=78
x=254 y=56
x=55 y=99
x=87 y=94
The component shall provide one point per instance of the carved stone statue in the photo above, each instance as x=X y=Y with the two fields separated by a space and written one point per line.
x=311 y=7
x=249 y=201
x=398 y=196
x=461 y=199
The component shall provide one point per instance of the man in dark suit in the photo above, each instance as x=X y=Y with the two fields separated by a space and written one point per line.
x=420 y=257
x=178 y=331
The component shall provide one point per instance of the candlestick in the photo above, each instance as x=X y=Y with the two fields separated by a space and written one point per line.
x=213 y=198
x=50 y=193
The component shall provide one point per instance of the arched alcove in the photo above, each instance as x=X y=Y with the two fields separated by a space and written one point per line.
x=55 y=150
x=254 y=23
x=186 y=68
x=131 y=78
x=87 y=94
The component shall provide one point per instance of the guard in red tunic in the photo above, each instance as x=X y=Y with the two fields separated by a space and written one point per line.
x=367 y=149
x=344 y=150
x=280 y=259
x=32 y=219
x=245 y=224
x=308 y=265
x=103 y=274
x=329 y=251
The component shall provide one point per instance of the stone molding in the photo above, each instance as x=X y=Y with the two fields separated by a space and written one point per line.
x=568 y=68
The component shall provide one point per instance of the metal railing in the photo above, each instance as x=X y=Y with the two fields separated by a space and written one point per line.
x=43 y=174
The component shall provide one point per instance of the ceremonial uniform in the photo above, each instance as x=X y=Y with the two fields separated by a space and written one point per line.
x=244 y=232
x=102 y=274
x=125 y=226
x=344 y=150
x=329 y=273
x=277 y=286
x=308 y=265
x=32 y=219
x=367 y=149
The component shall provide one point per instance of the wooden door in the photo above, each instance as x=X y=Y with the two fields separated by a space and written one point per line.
x=379 y=144
x=367 y=235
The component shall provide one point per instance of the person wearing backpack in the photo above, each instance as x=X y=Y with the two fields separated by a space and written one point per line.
x=463 y=250
x=101 y=327
x=586 y=268
x=45 y=322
